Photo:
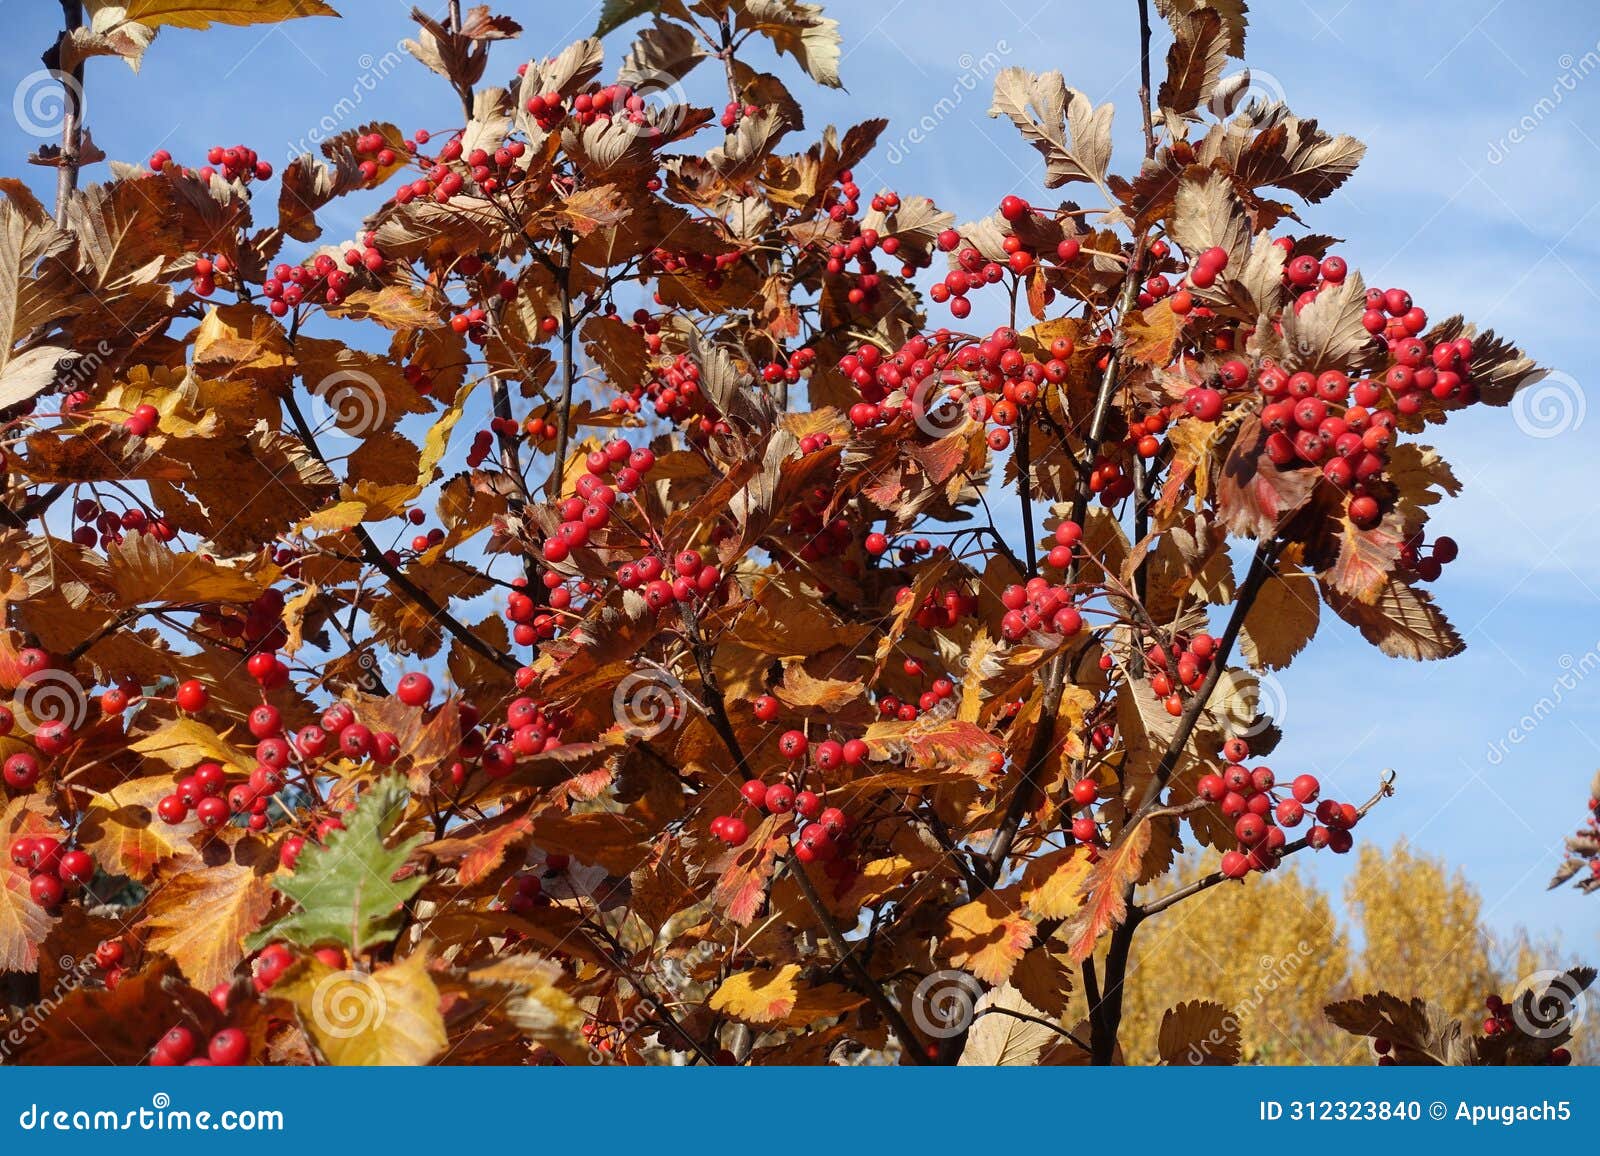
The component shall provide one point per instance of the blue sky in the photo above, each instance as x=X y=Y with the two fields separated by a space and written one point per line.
x=1478 y=194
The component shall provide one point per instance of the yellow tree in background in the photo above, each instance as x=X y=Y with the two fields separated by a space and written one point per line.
x=1278 y=950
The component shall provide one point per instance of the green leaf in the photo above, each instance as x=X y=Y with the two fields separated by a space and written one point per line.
x=615 y=13
x=346 y=890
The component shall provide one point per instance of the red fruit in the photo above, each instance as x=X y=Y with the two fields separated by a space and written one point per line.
x=109 y=953
x=1203 y=403
x=856 y=751
x=76 y=867
x=1212 y=788
x=53 y=737
x=766 y=708
x=21 y=771
x=829 y=754
x=228 y=1048
x=414 y=689
x=807 y=804
x=1236 y=750
x=290 y=851
x=1306 y=788
x=876 y=544
x=779 y=798
x=22 y=851
x=211 y=811
x=792 y=744
x=192 y=696
x=754 y=792
x=1290 y=812
x=265 y=721
x=172 y=809
x=1235 y=865
x=179 y=1044
x=1084 y=792
x=1250 y=829
x=261 y=666
x=734 y=831
x=47 y=891
x=1085 y=829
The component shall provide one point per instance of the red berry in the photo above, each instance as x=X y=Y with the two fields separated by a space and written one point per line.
x=228 y=1048
x=414 y=689
x=192 y=696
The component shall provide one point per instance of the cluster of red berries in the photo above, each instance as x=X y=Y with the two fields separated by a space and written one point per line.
x=322 y=281
x=971 y=270
x=546 y=108
x=447 y=175
x=106 y=527
x=999 y=382
x=1176 y=669
x=54 y=869
x=530 y=729
x=143 y=421
x=733 y=112
x=205 y=273
x=51 y=736
x=1427 y=567
x=1040 y=606
x=824 y=836
x=375 y=154
x=261 y=629
x=595 y=502
x=1201 y=275
x=1246 y=795
x=791 y=371
x=941 y=607
x=527 y=887
x=207 y=794
x=180 y=1047
x=940 y=689
x=239 y=163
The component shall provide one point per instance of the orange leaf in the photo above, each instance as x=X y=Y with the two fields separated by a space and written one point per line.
x=1105 y=902
x=988 y=936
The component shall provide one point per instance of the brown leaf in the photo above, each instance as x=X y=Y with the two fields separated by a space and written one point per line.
x=1199 y=1033
x=1194 y=64
x=1402 y=622
x=201 y=917
x=1282 y=619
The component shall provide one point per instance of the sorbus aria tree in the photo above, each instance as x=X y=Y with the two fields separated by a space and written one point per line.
x=569 y=617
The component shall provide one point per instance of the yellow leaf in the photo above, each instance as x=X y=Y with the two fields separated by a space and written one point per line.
x=1052 y=885
x=386 y=1018
x=987 y=936
x=201 y=14
x=768 y=996
x=183 y=742
x=200 y=918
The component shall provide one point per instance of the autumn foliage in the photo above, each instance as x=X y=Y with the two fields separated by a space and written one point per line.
x=609 y=609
